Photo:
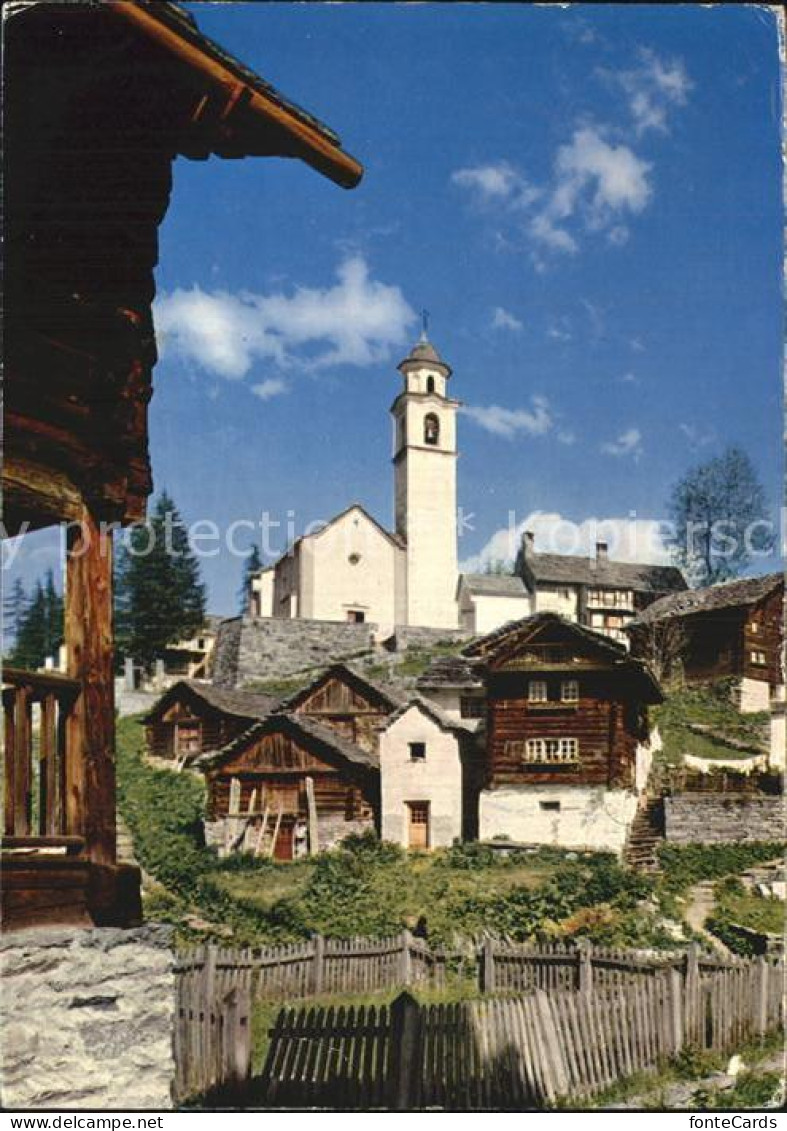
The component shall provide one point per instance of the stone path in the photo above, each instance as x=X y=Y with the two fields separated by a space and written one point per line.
x=700 y=902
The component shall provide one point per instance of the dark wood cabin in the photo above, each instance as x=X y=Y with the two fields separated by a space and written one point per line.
x=193 y=718
x=346 y=701
x=732 y=629
x=277 y=764
x=99 y=100
x=565 y=705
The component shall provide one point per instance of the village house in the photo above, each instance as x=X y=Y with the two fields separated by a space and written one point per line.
x=567 y=735
x=597 y=592
x=430 y=773
x=352 y=568
x=731 y=630
x=347 y=702
x=192 y=718
x=289 y=786
x=455 y=685
x=488 y=600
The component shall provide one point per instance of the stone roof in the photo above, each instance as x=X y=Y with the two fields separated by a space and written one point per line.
x=301 y=725
x=444 y=721
x=493 y=585
x=424 y=351
x=569 y=569
x=727 y=595
x=241 y=704
x=450 y=671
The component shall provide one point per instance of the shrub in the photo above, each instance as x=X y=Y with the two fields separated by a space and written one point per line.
x=684 y=865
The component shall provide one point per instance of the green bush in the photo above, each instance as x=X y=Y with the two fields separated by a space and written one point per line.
x=684 y=865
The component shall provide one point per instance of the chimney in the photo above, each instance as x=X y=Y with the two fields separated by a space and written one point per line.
x=602 y=554
x=528 y=543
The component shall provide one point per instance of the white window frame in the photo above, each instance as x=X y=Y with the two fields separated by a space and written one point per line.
x=569 y=691
x=540 y=696
x=551 y=750
x=759 y=658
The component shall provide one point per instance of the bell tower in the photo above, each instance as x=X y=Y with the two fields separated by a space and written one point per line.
x=425 y=486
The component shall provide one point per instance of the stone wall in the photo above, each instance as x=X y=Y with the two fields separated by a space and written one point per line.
x=708 y=818
x=567 y=816
x=249 y=650
x=88 y=1018
x=412 y=636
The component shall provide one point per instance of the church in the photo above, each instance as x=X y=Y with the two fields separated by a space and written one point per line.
x=352 y=568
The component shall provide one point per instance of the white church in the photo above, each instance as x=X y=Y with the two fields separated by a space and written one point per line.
x=353 y=569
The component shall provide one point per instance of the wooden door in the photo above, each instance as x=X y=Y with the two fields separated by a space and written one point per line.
x=283 y=849
x=418 y=832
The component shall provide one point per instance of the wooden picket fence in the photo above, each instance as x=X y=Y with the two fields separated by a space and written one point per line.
x=323 y=966
x=212 y=1042
x=510 y=1053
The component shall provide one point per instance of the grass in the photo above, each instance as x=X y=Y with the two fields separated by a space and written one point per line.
x=710 y=706
x=737 y=904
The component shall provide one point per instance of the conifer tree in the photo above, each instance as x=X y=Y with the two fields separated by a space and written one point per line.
x=31 y=640
x=159 y=595
x=15 y=606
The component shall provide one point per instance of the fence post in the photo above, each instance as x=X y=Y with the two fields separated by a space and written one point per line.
x=676 y=1009
x=405 y=1065
x=318 y=968
x=488 y=967
x=585 y=965
x=406 y=968
x=692 y=993
x=761 y=1004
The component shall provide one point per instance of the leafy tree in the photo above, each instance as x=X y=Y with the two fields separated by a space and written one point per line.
x=498 y=567
x=251 y=567
x=159 y=597
x=720 y=518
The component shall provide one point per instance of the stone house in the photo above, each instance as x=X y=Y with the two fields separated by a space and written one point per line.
x=429 y=777
x=734 y=629
x=193 y=718
x=455 y=685
x=567 y=734
x=596 y=592
x=487 y=601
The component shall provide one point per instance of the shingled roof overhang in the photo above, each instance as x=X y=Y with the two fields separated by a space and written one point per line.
x=301 y=728
x=739 y=594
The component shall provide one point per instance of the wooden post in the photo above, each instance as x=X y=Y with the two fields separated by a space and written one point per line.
x=314 y=829
x=692 y=993
x=318 y=969
x=761 y=1004
x=585 y=967
x=488 y=967
x=405 y=1067
x=406 y=968
x=676 y=1010
x=90 y=736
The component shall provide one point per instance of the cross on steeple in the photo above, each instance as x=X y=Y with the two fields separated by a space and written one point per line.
x=424 y=325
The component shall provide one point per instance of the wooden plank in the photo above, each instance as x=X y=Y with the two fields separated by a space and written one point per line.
x=47 y=774
x=22 y=754
x=9 y=735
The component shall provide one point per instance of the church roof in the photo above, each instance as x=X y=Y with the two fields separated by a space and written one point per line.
x=424 y=351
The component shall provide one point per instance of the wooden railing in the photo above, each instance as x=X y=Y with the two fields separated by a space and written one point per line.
x=36 y=706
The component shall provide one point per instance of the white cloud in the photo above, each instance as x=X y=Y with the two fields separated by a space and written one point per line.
x=637 y=345
x=508 y=422
x=653 y=89
x=628 y=378
x=628 y=539
x=504 y=320
x=496 y=182
x=271 y=387
x=559 y=331
x=696 y=436
x=628 y=443
x=565 y=436
x=354 y=322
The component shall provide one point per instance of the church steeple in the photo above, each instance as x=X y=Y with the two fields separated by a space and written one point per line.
x=425 y=482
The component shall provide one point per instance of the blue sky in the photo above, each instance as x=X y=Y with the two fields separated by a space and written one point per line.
x=587 y=201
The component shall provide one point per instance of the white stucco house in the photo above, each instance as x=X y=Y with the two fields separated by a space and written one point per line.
x=429 y=777
x=487 y=601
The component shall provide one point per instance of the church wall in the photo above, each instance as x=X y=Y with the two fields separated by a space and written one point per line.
x=333 y=581
x=437 y=779
x=430 y=485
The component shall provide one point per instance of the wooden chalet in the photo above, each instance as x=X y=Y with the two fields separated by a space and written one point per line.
x=291 y=785
x=732 y=629
x=347 y=702
x=567 y=728
x=193 y=718
x=99 y=100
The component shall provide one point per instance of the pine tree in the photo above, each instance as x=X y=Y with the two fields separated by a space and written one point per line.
x=159 y=595
x=14 y=608
x=251 y=567
x=54 y=616
x=31 y=641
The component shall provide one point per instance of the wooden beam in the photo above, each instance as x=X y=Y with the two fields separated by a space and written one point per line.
x=90 y=736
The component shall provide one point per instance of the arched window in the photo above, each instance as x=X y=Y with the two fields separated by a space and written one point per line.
x=430 y=384
x=431 y=429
